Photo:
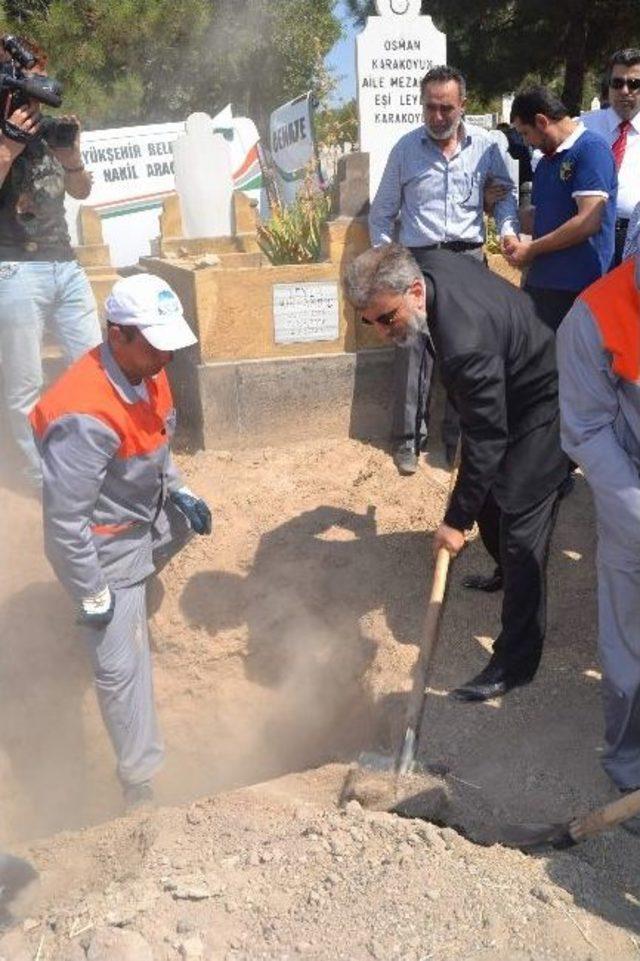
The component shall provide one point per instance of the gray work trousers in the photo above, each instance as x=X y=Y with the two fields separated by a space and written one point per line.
x=121 y=662
x=619 y=645
x=408 y=391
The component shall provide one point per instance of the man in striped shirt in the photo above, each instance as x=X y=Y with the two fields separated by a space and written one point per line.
x=434 y=181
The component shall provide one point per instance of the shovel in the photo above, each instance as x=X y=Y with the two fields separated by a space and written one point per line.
x=404 y=762
x=528 y=836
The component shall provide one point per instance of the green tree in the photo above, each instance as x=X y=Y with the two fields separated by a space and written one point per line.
x=140 y=61
x=336 y=125
x=500 y=43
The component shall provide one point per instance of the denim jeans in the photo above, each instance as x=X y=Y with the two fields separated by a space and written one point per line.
x=33 y=295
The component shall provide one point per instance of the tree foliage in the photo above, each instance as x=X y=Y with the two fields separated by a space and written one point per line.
x=142 y=61
x=499 y=43
x=336 y=125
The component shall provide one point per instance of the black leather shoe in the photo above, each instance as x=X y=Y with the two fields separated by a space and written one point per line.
x=490 y=682
x=490 y=584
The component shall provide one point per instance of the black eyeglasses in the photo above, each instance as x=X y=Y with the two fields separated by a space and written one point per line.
x=619 y=83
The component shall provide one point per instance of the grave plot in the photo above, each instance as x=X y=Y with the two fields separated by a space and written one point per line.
x=283 y=648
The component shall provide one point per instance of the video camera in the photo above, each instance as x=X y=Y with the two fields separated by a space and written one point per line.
x=18 y=88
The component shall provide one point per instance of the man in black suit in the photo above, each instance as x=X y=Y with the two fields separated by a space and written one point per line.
x=499 y=370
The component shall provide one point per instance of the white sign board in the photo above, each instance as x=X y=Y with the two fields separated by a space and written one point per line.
x=394 y=52
x=305 y=312
x=484 y=120
x=293 y=148
x=133 y=172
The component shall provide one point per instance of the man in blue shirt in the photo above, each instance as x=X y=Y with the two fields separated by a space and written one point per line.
x=435 y=179
x=574 y=206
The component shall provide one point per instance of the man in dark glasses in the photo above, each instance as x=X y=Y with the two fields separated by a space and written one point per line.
x=498 y=367
x=619 y=124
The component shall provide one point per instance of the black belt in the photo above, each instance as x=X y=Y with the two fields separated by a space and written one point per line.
x=456 y=245
x=622 y=223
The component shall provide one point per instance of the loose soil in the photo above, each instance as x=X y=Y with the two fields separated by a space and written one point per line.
x=283 y=647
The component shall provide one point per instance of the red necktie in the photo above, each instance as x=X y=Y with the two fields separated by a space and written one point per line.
x=620 y=143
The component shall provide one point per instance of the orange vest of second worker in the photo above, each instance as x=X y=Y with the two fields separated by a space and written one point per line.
x=107 y=471
x=614 y=302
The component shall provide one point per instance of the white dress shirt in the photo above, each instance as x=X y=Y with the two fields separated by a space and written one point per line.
x=607 y=123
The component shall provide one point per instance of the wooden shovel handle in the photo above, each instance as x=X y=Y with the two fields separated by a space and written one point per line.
x=434 y=607
x=431 y=625
x=607 y=817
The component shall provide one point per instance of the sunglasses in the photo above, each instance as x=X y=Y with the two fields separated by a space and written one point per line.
x=619 y=83
x=385 y=320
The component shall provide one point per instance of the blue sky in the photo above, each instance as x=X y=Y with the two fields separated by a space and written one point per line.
x=342 y=58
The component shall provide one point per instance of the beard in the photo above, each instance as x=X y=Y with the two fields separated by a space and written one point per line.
x=415 y=331
x=447 y=134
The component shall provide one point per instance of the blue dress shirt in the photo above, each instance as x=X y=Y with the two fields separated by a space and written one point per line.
x=439 y=199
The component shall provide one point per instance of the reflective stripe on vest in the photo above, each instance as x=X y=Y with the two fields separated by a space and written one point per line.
x=107 y=530
x=86 y=389
x=614 y=302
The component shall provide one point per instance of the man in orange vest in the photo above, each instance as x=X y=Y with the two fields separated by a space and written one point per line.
x=599 y=364
x=114 y=506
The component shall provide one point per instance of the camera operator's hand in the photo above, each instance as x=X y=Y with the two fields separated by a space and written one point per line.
x=78 y=180
x=27 y=120
x=69 y=156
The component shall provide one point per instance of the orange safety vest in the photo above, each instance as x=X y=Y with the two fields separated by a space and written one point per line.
x=86 y=389
x=614 y=301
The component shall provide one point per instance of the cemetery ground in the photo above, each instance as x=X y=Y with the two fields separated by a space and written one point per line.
x=283 y=646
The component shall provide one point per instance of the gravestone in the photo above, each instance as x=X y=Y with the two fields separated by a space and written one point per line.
x=203 y=179
x=393 y=53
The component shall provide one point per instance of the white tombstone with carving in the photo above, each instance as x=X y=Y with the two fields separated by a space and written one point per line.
x=203 y=179
x=394 y=51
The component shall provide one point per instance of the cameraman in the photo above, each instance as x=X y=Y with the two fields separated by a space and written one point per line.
x=40 y=279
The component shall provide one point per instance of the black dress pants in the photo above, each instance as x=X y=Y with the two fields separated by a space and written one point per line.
x=519 y=544
x=620 y=240
x=552 y=306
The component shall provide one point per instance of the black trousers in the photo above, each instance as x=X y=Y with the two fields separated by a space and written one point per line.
x=519 y=544
x=552 y=306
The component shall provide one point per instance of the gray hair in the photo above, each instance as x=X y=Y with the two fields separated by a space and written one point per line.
x=389 y=268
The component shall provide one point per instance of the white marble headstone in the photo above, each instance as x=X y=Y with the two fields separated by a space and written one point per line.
x=394 y=51
x=203 y=179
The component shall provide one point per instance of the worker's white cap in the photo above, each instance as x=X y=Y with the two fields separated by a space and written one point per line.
x=148 y=302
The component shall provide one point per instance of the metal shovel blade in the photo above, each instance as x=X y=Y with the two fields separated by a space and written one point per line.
x=528 y=837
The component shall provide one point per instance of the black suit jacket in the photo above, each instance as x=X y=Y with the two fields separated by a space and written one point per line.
x=498 y=366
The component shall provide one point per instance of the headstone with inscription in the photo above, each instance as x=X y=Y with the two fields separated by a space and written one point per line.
x=394 y=51
x=305 y=312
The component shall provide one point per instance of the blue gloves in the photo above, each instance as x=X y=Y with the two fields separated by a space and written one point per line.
x=97 y=610
x=194 y=509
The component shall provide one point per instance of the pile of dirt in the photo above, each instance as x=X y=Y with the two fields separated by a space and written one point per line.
x=276 y=871
x=284 y=644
